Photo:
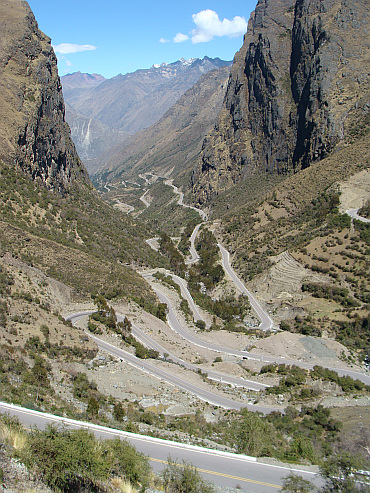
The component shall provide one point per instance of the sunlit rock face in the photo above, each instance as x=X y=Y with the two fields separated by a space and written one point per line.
x=33 y=131
x=298 y=87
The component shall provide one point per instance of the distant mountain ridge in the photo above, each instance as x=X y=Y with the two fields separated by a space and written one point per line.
x=128 y=103
x=172 y=145
x=79 y=80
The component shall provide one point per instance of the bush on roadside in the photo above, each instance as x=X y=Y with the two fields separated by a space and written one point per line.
x=184 y=478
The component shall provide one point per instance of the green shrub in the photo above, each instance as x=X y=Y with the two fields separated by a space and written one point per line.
x=67 y=460
x=83 y=388
x=184 y=478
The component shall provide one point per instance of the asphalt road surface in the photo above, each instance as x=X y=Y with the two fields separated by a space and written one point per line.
x=176 y=326
x=167 y=376
x=353 y=213
x=223 y=469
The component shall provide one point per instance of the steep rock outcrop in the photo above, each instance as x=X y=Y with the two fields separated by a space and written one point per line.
x=33 y=132
x=298 y=87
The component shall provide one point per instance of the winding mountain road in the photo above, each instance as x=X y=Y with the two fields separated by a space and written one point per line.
x=194 y=254
x=202 y=214
x=143 y=199
x=266 y=321
x=176 y=326
x=144 y=365
x=225 y=469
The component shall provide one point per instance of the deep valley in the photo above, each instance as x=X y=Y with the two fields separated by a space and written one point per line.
x=206 y=281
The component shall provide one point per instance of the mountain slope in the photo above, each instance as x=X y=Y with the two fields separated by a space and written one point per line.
x=294 y=127
x=74 y=84
x=92 y=138
x=47 y=201
x=136 y=100
x=33 y=133
x=299 y=88
x=128 y=103
x=171 y=146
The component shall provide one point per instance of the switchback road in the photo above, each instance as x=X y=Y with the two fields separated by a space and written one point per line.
x=176 y=326
x=169 y=377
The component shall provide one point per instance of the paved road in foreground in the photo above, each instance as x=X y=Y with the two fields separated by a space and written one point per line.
x=223 y=469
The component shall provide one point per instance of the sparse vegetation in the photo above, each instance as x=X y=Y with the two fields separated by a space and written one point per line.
x=51 y=232
x=106 y=315
x=335 y=293
x=97 y=253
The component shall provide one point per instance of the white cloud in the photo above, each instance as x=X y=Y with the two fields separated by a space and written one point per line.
x=163 y=40
x=68 y=63
x=67 y=48
x=209 y=25
x=180 y=38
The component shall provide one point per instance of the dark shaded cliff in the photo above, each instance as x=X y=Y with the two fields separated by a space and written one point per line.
x=33 y=132
x=298 y=88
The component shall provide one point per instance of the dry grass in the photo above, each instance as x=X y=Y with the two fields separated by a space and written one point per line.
x=123 y=485
x=14 y=436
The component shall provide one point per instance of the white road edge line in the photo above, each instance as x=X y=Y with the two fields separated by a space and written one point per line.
x=145 y=438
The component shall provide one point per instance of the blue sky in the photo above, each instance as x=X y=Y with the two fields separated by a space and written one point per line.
x=119 y=36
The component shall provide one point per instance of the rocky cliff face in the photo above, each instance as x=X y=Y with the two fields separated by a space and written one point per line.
x=33 y=132
x=298 y=87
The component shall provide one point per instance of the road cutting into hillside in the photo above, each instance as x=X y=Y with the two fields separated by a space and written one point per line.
x=214 y=398
x=266 y=321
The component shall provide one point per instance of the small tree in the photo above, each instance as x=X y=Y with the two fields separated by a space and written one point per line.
x=125 y=327
x=101 y=303
x=297 y=484
x=184 y=478
x=118 y=411
x=92 y=407
x=161 y=311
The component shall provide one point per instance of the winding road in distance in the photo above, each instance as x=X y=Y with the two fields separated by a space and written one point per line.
x=266 y=321
x=202 y=214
